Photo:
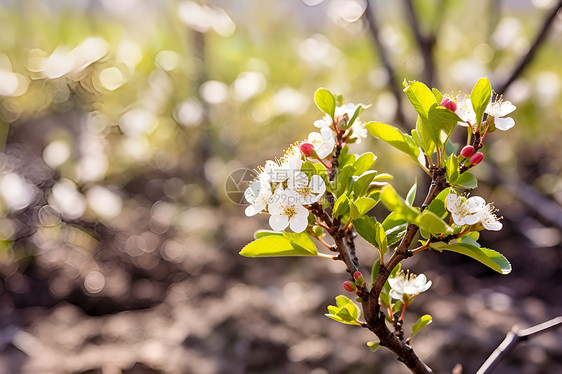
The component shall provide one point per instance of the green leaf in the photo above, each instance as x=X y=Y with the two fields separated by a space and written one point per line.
x=343 y=179
x=326 y=101
x=345 y=158
x=437 y=94
x=345 y=312
x=412 y=194
x=263 y=233
x=397 y=306
x=422 y=322
x=341 y=206
x=480 y=97
x=361 y=185
x=366 y=227
x=395 y=228
x=442 y=123
x=452 y=166
x=494 y=260
x=363 y=205
x=437 y=206
x=382 y=242
x=423 y=131
x=393 y=202
x=375 y=270
x=373 y=345
x=394 y=137
x=358 y=109
x=466 y=180
x=431 y=223
x=277 y=245
x=364 y=162
x=308 y=168
x=302 y=239
x=421 y=97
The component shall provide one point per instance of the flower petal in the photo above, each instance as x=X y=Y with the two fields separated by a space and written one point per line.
x=299 y=222
x=504 y=124
x=278 y=222
x=505 y=108
x=252 y=210
x=317 y=184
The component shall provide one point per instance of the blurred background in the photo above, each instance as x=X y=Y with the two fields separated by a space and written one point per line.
x=121 y=121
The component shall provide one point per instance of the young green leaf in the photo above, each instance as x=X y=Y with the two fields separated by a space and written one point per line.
x=366 y=227
x=363 y=205
x=263 y=233
x=480 y=97
x=437 y=94
x=345 y=312
x=364 y=162
x=358 y=109
x=373 y=345
x=382 y=242
x=437 y=206
x=494 y=260
x=326 y=101
x=421 y=97
x=394 y=137
x=301 y=239
x=452 y=166
x=361 y=185
x=422 y=322
x=375 y=270
x=393 y=202
x=277 y=245
x=341 y=207
x=395 y=228
x=466 y=180
x=431 y=223
x=412 y=194
x=343 y=180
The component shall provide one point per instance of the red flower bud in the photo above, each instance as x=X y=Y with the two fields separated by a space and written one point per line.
x=467 y=151
x=476 y=158
x=356 y=275
x=349 y=286
x=307 y=148
x=449 y=104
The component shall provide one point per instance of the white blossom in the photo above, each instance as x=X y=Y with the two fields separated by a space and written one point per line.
x=498 y=109
x=257 y=194
x=308 y=191
x=464 y=211
x=359 y=130
x=286 y=167
x=465 y=111
x=286 y=211
x=405 y=286
x=324 y=142
x=348 y=109
x=488 y=218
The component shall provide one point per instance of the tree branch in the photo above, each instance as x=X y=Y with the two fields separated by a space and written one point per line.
x=385 y=60
x=425 y=43
x=539 y=39
x=512 y=340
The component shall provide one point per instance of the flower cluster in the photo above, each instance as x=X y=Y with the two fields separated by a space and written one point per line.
x=473 y=210
x=282 y=190
x=498 y=109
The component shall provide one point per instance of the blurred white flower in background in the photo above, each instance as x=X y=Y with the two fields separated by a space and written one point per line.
x=16 y=192
x=203 y=18
x=67 y=200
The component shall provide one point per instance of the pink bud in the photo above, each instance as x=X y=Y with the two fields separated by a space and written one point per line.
x=476 y=158
x=449 y=104
x=349 y=286
x=307 y=148
x=356 y=275
x=467 y=151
